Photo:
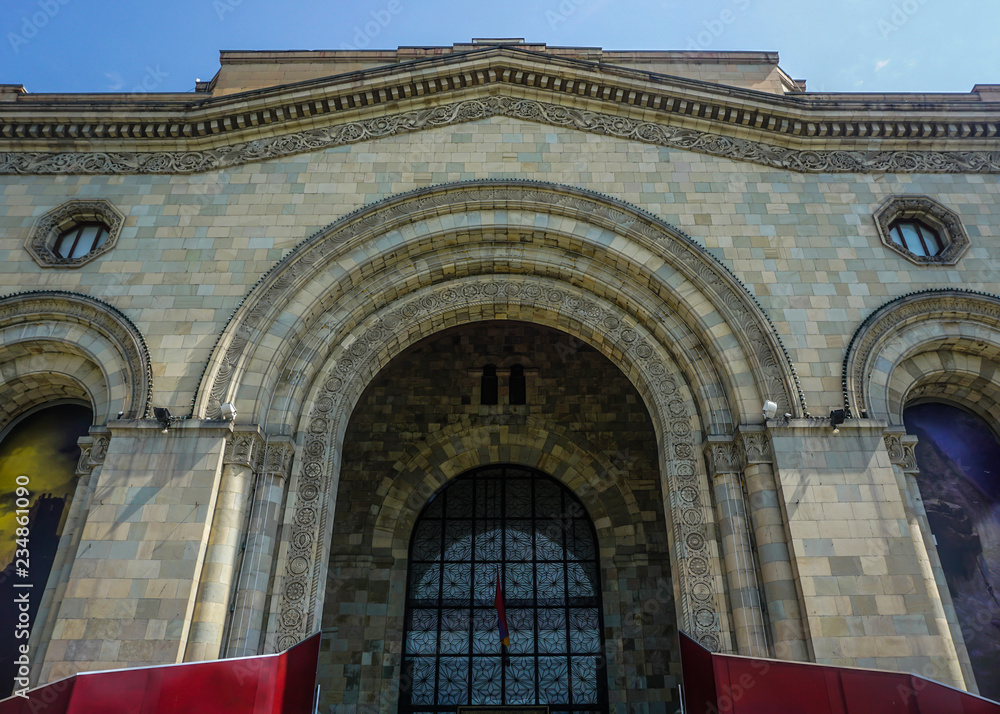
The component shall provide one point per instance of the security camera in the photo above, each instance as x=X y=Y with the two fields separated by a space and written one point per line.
x=770 y=409
x=228 y=411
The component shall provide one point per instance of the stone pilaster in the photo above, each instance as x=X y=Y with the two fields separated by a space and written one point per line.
x=130 y=595
x=250 y=600
x=901 y=449
x=768 y=523
x=93 y=449
x=865 y=598
x=741 y=572
x=225 y=545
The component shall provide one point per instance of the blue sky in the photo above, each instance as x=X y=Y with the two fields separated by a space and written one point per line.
x=846 y=45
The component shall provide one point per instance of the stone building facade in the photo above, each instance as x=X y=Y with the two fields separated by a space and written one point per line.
x=403 y=266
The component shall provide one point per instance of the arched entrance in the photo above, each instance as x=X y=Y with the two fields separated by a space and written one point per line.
x=319 y=328
x=529 y=530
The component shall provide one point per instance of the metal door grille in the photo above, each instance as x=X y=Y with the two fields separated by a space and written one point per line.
x=536 y=534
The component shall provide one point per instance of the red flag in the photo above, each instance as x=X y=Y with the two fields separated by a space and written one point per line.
x=501 y=614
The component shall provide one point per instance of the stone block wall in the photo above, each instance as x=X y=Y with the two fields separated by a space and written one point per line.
x=131 y=592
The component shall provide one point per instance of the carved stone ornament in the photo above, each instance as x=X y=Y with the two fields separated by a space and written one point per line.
x=902 y=451
x=93 y=449
x=723 y=456
x=755 y=446
x=946 y=305
x=243 y=448
x=925 y=209
x=347 y=375
x=129 y=365
x=48 y=228
x=184 y=161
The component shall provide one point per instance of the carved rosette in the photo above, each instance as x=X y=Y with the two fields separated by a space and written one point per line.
x=594 y=122
x=346 y=379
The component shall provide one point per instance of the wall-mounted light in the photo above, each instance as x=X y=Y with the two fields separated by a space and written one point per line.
x=162 y=415
x=228 y=411
x=769 y=409
x=837 y=417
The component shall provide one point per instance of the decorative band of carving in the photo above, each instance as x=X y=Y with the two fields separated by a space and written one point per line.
x=345 y=380
x=615 y=125
x=923 y=306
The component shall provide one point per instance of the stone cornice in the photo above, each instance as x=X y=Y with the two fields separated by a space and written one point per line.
x=790 y=132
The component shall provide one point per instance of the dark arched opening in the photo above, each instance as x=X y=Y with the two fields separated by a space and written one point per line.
x=531 y=531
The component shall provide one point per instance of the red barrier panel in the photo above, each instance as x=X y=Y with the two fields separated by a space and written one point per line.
x=729 y=684
x=271 y=684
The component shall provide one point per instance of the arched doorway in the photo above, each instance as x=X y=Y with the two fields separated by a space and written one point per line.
x=525 y=528
x=957 y=454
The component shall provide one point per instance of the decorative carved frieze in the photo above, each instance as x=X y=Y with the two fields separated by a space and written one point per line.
x=660 y=133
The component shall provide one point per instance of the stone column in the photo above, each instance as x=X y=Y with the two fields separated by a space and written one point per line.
x=92 y=451
x=249 y=604
x=780 y=593
x=900 y=447
x=741 y=572
x=224 y=545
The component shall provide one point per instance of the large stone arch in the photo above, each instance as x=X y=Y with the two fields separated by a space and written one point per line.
x=353 y=362
x=58 y=345
x=934 y=343
x=370 y=257
x=300 y=350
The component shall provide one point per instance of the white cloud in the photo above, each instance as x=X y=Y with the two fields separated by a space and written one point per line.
x=881 y=64
x=115 y=81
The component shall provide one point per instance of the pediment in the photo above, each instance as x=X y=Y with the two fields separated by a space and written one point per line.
x=794 y=132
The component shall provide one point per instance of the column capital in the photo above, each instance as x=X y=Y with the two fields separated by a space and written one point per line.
x=723 y=455
x=93 y=449
x=244 y=445
x=755 y=444
x=901 y=448
x=276 y=456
